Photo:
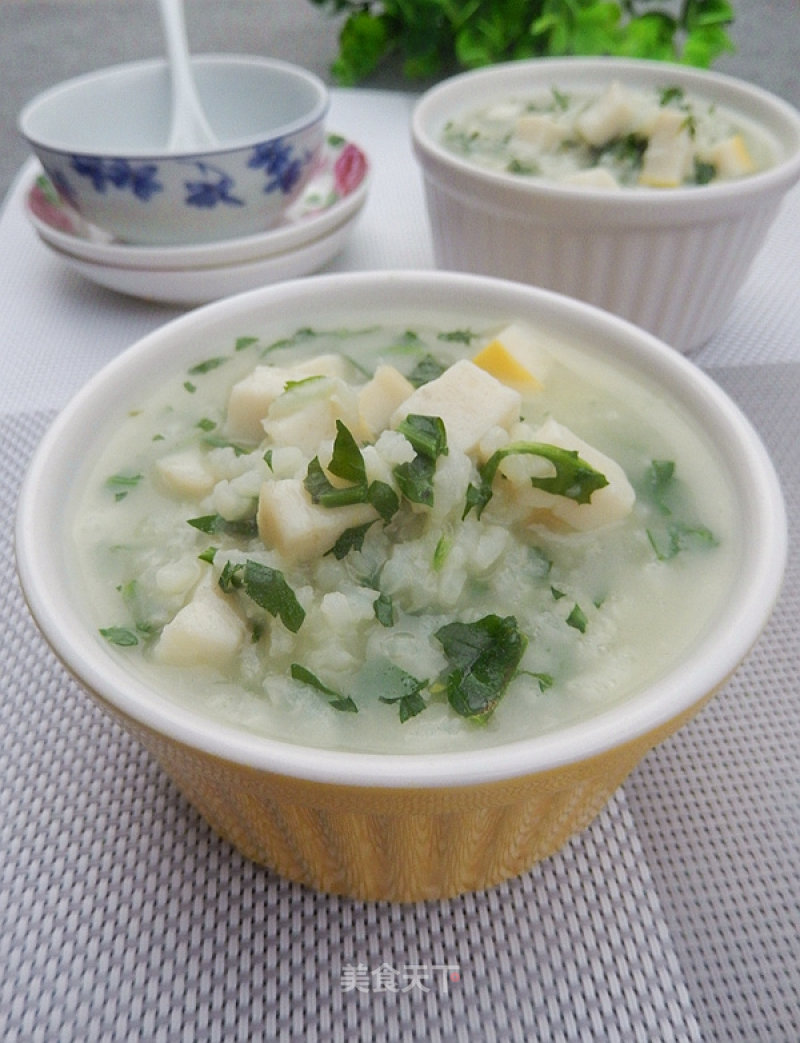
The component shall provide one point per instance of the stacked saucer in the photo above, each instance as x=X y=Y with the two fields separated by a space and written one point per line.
x=313 y=232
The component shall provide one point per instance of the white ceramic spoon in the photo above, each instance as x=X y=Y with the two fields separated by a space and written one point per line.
x=189 y=129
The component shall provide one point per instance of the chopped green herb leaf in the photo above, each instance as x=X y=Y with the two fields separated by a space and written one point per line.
x=544 y=681
x=516 y=166
x=428 y=437
x=415 y=479
x=124 y=481
x=189 y=386
x=408 y=705
x=350 y=539
x=245 y=342
x=680 y=537
x=267 y=587
x=577 y=619
x=427 y=369
x=290 y=385
x=322 y=491
x=347 y=461
x=384 y=499
x=121 y=636
x=704 y=173
x=383 y=608
x=208 y=555
x=207 y=366
x=671 y=94
x=659 y=479
x=218 y=442
x=215 y=524
x=539 y=561
x=457 y=336
x=338 y=702
x=425 y=433
x=443 y=546
x=121 y=484
x=483 y=658
x=662 y=488
x=402 y=690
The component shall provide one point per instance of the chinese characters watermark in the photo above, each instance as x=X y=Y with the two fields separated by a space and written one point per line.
x=423 y=977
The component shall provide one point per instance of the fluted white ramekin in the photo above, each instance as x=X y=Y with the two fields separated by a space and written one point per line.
x=669 y=260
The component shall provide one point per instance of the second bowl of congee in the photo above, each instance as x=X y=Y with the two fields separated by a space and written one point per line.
x=400 y=545
x=644 y=187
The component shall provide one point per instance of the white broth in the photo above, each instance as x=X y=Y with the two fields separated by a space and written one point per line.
x=402 y=538
x=618 y=137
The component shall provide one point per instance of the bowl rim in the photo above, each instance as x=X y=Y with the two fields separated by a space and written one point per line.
x=56 y=145
x=683 y=204
x=42 y=569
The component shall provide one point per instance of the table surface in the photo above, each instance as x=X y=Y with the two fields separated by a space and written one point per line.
x=674 y=916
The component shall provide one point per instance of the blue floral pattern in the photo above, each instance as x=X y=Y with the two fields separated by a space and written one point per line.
x=202 y=185
x=216 y=188
x=120 y=173
x=283 y=169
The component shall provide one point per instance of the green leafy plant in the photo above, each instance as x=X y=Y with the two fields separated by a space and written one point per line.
x=434 y=37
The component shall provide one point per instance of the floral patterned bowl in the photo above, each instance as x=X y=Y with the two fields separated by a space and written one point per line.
x=101 y=138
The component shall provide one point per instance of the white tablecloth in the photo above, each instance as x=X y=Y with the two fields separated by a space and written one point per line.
x=122 y=917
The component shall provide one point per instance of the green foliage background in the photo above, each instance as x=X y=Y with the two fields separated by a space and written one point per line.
x=432 y=37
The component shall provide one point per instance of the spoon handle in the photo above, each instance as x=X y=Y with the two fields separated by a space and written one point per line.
x=189 y=127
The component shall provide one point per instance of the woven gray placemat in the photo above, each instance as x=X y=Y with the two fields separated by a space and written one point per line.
x=123 y=917
x=717 y=807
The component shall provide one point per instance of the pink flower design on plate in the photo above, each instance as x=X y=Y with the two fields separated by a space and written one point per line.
x=49 y=211
x=349 y=169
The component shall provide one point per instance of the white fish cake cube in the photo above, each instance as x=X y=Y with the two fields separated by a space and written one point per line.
x=207 y=630
x=380 y=397
x=186 y=474
x=306 y=415
x=607 y=505
x=730 y=158
x=669 y=153
x=537 y=129
x=468 y=400
x=299 y=529
x=614 y=113
x=592 y=177
x=251 y=397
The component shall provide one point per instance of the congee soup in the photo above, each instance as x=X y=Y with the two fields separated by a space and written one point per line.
x=402 y=538
x=612 y=138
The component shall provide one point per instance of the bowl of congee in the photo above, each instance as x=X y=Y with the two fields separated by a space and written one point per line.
x=646 y=188
x=398 y=575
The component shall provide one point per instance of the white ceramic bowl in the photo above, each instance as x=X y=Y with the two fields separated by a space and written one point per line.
x=102 y=138
x=670 y=260
x=396 y=826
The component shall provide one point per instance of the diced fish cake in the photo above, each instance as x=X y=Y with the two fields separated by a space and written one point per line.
x=299 y=529
x=468 y=400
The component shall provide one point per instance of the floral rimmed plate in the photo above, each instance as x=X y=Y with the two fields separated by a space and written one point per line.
x=335 y=193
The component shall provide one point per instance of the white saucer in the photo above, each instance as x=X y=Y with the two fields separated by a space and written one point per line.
x=312 y=229
x=193 y=286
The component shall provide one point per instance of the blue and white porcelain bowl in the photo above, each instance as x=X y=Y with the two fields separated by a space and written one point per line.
x=102 y=139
